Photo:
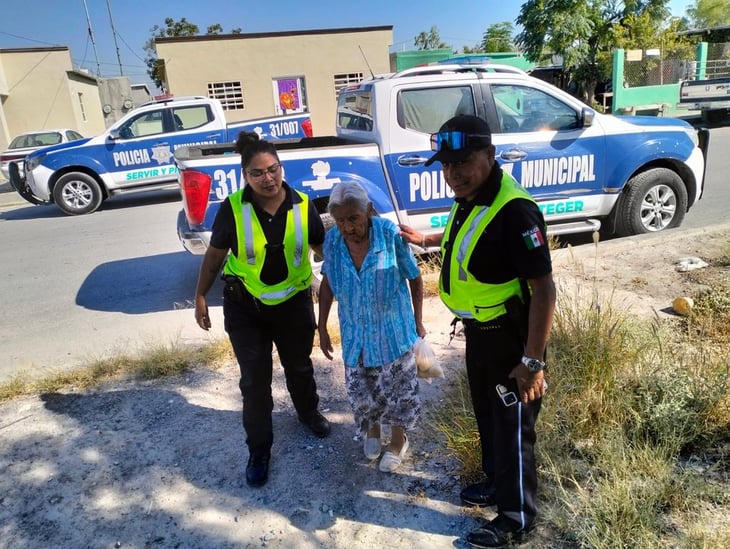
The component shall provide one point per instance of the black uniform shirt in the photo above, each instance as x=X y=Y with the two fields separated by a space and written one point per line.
x=514 y=244
x=224 y=236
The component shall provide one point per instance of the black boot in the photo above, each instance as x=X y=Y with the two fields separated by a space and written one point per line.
x=257 y=469
x=317 y=423
x=480 y=494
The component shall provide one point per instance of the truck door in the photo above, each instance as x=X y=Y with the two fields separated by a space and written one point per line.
x=541 y=141
x=422 y=196
x=142 y=149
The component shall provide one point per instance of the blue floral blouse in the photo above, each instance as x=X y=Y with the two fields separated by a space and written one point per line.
x=374 y=305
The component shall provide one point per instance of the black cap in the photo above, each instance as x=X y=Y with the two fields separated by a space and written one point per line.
x=472 y=125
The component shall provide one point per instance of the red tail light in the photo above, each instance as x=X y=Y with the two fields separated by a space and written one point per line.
x=195 y=191
x=10 y=156
x=307 y=128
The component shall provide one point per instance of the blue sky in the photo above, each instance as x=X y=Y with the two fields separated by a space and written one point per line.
x=36 y=23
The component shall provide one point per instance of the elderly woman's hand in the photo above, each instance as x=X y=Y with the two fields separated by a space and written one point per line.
x=324 y=342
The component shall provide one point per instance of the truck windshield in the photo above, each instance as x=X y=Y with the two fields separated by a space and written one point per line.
x=426 y=109
x=354 y=110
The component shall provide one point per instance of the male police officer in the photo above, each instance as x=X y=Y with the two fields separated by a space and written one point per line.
x=497 y=279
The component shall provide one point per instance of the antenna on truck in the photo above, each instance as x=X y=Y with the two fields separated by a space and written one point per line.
x=366 y=61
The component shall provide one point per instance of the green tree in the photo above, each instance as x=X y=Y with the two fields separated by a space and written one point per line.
x=499 y=37
x=155 y=69
x=582 y=32
x=429 y=40
x=183 y=27
x=709 y=13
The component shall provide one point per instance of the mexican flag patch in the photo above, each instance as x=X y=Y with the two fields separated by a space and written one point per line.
x=533 y=238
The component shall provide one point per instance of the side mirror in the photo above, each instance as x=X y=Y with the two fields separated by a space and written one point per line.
x=113 y=135
x=587 y=116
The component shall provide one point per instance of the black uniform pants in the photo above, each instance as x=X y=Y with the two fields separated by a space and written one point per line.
x=506 y=425
x=252 y=328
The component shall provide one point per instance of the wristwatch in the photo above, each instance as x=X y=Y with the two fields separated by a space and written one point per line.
x=533 y=365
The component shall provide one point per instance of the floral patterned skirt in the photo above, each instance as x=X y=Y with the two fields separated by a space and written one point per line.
x=385 y=394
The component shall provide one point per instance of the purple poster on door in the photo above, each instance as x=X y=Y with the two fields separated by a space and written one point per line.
x=288 y=95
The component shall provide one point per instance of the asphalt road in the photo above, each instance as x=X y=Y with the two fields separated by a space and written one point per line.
x=78 y=288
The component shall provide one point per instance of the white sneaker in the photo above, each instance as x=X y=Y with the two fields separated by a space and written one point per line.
x=371 y=447
x=390 y=462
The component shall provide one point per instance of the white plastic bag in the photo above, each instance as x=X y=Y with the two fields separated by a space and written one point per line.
x=428 y=365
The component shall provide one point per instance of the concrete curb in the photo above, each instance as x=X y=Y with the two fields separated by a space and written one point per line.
x=618 y=245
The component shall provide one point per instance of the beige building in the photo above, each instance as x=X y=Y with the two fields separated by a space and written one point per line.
x=39 y=89
x=257 y=75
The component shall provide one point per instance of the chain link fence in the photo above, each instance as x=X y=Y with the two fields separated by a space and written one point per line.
x=655 y=71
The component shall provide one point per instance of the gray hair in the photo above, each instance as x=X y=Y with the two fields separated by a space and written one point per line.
x=348 y=192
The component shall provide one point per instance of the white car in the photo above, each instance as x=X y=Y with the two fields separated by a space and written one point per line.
x=31 y=141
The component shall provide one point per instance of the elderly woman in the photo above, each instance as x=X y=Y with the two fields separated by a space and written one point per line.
x=366 y=266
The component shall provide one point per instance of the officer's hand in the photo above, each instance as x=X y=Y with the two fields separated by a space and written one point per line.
x=201 y=313
x=531 y=386
x=409 y=234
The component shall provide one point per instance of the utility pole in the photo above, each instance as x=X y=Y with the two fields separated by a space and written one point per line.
x=93 y=43
x=114 y=34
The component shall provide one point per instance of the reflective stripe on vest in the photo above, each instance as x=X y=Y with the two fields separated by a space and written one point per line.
x=251 y=239
x=248 y=237
x=468 y=297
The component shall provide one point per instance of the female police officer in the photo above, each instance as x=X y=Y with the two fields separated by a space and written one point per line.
x=268 y=228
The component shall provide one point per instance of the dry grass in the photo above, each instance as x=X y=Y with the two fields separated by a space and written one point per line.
x=634 y=439
x=155 y=361
x=430 y=265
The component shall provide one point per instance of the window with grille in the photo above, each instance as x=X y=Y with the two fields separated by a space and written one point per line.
x=230 y=94
x=342 y=80
x=82 y=107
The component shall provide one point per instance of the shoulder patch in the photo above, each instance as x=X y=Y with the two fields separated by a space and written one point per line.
x=533 y=238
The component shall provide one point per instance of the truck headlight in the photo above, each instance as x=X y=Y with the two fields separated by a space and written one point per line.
x=32 y=161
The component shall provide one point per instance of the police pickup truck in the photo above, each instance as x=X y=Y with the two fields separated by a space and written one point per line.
x=136 y=153
x=631 y=174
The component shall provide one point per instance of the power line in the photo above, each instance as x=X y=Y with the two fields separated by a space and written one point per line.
x=130 y=48
x=28 y=39
x=91 y=36
x=114 y=34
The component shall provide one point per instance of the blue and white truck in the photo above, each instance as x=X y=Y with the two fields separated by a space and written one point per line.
x=629 y=174
x=136 y=153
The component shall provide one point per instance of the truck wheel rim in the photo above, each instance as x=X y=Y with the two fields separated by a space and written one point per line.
x=77 y=195
x=658 y=208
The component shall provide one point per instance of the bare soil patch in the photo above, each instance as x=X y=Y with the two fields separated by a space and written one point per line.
x=639 y=274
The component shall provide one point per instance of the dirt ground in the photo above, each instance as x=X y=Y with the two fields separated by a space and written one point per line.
x=642 y=274
x=161 y=464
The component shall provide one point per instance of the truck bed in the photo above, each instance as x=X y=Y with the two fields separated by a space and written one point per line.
x=700 y=91
x=188 y=153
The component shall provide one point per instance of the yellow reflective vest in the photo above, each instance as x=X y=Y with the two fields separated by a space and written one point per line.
x=249 y=261
x=468 y=297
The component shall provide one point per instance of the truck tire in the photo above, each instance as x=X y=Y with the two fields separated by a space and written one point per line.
x=653 y=201
x=77 y=193
x=715 y=116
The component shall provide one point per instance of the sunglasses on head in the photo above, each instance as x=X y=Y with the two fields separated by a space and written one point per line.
x=456 y=141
